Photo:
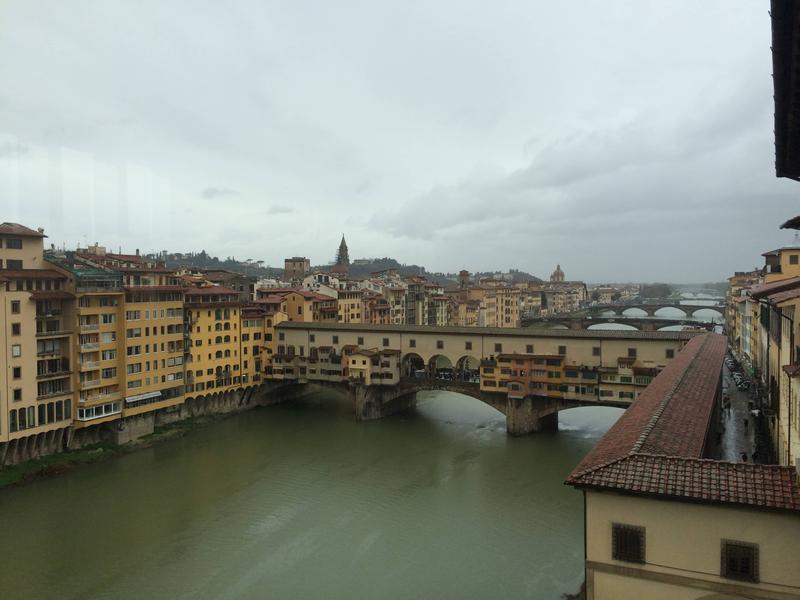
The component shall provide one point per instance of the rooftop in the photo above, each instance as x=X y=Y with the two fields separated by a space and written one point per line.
x=604 y=334
x=657 y=448
x=7 y=228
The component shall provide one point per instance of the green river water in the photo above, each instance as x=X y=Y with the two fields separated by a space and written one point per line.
x=299 y=501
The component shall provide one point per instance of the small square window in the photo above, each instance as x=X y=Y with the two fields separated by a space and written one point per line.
x=335 y=339
x=793 y=259
x=631 y=352
x=16 y=350
x=311 y=338
x=385 y=342
x=17 y=372
x=498 y=347
x=360 y=341
x=439 y=344
x=16 y=329
x=280 y=335
x=529 y=348
x=627 y=543
x=15 y=307
x=562 y=350
x=596 y=351
x=739 y=560
x=467 y=345
x=670 y=353
x=18 y=394
x=412 y=343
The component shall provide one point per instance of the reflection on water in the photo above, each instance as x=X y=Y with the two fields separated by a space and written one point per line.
x=300 y=501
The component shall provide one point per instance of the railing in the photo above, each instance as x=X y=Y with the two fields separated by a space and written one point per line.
x=53 y=394
x=101 y=397
x=88 y=383
x=90 y=346
x=48 y=313
x=53 y=374
x=89 y=327
x=89 y=365
x=56 y=333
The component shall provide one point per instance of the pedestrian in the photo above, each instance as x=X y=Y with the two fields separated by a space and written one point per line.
x=744 y=456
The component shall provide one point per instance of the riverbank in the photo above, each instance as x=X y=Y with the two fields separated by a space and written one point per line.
x=56 y=464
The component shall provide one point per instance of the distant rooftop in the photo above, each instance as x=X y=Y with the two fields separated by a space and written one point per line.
x=20 y=230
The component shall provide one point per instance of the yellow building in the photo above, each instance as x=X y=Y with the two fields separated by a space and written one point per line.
x=37 y=323
x=502 y=306
x=781 y=264
x=349 y=307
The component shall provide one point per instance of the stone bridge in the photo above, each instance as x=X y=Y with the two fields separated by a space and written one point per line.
x=651 y=308
x=524 y=415
x=576 y=322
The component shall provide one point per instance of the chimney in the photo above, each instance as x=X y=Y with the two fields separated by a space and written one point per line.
x=40 y=229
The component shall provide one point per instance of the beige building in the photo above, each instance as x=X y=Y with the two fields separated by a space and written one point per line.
x=665 y=519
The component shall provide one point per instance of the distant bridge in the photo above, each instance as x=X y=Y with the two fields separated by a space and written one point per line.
x=651 y=308
x=584 y=322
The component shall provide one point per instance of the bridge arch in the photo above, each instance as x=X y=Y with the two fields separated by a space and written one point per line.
x=410 y=364
x=619 y=325
x=707 y=313
x=634 y=311
x=667 y=312
x=468 y=368
x=440 y=365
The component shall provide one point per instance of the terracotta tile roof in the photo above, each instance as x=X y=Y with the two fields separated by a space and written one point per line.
x=657 y=447
x=765 y=289
x=20 y=230
x=699 y=480
x=783 y=296
x=126 y=257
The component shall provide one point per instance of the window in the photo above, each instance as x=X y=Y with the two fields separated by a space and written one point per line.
x=16 y=329
x=631 y=352
x=385 y=342
x=596 y=351
x=739 y=560
x=529 y=348
x=17 y=372
x=498 y=347
x=670 y=353
x=17 y=395
x=412 y=343
x=15 y=307
x=13 y=244
x=281 y=335
x=360 y=341
x=439 y=344
x=312 y=338
x=562 y=350
x=793 y=259
x=14 y=265
x=16 y=350
x=334 y=339
x=627 y=543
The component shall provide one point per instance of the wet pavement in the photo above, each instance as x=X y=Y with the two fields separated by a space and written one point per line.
x=739 y=425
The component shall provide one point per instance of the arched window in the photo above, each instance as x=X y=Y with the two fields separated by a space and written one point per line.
x=227 y=353
x=218 y=354
x=227 y=338
x=227 y=326
x=218 y=339
x=218 y=314
x=218 y=327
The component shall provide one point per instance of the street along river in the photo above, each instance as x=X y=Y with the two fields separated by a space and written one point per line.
x=300 y=501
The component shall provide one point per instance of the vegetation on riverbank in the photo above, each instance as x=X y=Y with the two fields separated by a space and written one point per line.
x=55 y=464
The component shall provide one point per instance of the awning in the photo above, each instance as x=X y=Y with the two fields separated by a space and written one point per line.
x=143 y=396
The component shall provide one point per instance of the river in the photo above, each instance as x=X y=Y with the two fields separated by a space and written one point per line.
x=300 y=501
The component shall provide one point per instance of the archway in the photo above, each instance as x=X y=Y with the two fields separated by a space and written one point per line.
x=412 y=365
x=441 y=367
x=671 y=312
x=634 y=312
x=468 y=369
x=613 y=325
x=708 y=315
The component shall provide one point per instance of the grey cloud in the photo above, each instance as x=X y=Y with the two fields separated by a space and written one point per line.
x=277 y=209
x=215 y=192
x=12 y=150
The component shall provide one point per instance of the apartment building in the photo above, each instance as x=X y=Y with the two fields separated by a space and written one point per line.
x=502 y=306
x=37 y=323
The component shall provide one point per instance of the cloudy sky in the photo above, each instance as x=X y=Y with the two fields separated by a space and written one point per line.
x=626 y=140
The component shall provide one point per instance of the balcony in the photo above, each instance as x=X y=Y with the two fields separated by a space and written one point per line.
x=53 y=394
x=87 y=327
x=55 y=333
x=101 y=397
x=90 y=365
x=53 y=374
x=90 y=346
x=90 y=383
x=45 y=314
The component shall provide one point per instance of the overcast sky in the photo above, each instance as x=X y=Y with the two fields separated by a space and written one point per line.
x=626 y=140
